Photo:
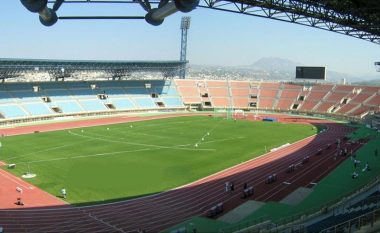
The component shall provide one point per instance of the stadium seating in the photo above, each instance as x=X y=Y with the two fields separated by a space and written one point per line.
x=172 y=102
x=12 y=111
x=37 y=109
x=92 y=105
x=123 y=104
x=19 y=100
x=68 y=106
x=5 y=97
x=25 y=95
x=144 y=103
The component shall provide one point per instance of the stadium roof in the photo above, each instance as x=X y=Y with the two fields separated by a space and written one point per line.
x=356 y=18
x=13 y=67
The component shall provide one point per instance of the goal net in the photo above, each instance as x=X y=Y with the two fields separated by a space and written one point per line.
x=227 y=113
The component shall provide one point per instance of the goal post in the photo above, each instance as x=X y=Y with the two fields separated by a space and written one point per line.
x=226 y=113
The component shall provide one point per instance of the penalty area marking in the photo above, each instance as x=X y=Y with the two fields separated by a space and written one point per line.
x=178 y=147
x=87 y=156
x=48 y=149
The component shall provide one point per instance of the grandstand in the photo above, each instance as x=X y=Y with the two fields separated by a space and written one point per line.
x=41 y=100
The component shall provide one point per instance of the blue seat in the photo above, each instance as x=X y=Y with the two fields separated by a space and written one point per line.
x=18 y=86
x=83 y=93
x=123 y=104
x=12 y=111
x=5 y=97
x=81 y=84
x=145 y=102
x=26 y=95
x=172 y=101
x=166 y=90
x=51 y=85
x=93 y=105
x=136 y=91
x=114 y=91
x=37 y=109
x=58 y=94
x=69 y=107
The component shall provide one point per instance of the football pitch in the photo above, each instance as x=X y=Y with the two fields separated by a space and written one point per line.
x=120 y=161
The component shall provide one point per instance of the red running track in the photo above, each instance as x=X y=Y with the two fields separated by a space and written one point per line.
x=160 y=211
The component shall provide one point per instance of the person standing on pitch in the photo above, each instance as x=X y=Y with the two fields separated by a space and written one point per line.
x=63 y=191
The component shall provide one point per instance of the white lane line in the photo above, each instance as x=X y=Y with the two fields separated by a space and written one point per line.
x=14 y=179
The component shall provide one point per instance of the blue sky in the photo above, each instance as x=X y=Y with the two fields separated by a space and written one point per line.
x=216 y=38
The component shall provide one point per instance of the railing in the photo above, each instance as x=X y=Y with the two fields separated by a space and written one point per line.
x=4 y=122
x=366 y=223
x=294 y=222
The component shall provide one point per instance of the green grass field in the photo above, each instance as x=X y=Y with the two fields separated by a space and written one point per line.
x=107 y=163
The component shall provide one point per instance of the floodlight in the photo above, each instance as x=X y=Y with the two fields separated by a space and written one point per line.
x=157 y=16
x=48 y=17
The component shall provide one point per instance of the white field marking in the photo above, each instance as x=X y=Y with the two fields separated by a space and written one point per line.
x=87 y=156
x=208 y=132
x=161 y=124
x=177 y=147
x=203 y=142
x=119 y=129
x=47 y=149
x=158 y=124
x=223 y=140
x=14 y=179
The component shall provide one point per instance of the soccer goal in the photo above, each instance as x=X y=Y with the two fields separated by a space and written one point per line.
x=227 y=113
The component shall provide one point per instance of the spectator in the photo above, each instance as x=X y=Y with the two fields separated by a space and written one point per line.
x=245 y=186
x=232 y=187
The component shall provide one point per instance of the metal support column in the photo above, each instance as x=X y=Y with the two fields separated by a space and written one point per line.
x=185 y=25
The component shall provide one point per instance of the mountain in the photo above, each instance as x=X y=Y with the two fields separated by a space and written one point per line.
x=275 y=63
x=266 y=68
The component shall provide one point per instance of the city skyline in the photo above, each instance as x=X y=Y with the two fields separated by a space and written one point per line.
x=215 y=38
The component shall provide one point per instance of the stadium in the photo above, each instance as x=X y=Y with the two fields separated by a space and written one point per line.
x=87 y=147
